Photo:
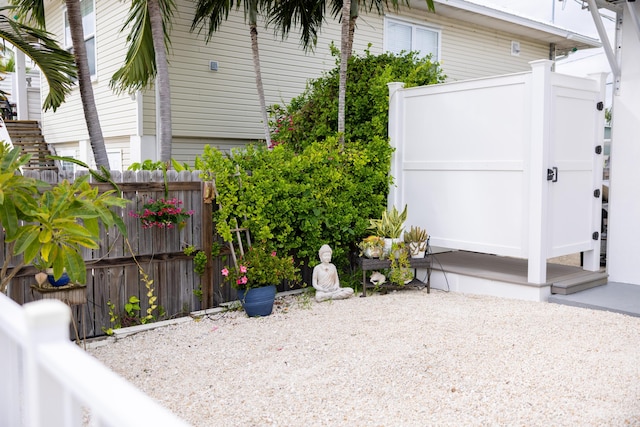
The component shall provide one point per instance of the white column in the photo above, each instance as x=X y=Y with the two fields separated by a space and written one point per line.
x=540 y=92
x=591 y=259
x=48 y=323
x=623 y=234
x=396 y=140
x=20 y=86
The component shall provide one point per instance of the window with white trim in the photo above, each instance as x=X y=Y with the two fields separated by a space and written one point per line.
x=87 y=8
x=66 y=166
x=407 y=36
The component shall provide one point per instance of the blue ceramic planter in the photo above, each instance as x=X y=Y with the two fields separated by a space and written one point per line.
x=63 y=280
x=257 y=301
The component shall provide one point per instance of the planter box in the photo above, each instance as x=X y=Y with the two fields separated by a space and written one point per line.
x=72 y=294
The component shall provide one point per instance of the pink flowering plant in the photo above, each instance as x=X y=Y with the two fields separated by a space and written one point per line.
x=163 y=213
x=261 y=266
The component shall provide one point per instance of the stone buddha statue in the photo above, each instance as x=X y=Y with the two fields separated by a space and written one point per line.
x=325 y=278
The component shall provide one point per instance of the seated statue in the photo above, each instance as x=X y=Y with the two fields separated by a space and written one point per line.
x=325 y=278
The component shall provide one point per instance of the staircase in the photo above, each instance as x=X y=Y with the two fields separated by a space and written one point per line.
x=26 y=135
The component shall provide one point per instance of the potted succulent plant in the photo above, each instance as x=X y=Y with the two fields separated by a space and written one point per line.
x=371 y=246
x=389 y=226
x=256 y=275
x=416 y=240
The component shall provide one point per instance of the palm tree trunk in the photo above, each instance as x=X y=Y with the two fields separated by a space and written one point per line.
x=256 y=65
x=163 y=100
x=353 y=16
x=344 y=59
x=352 y=31
x=84 y=82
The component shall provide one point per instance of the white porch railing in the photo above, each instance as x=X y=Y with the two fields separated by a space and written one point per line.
x=46 y=380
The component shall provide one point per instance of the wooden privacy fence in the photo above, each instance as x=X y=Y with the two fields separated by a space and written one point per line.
x=112 y=272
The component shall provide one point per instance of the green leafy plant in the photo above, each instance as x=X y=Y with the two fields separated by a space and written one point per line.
x=200 y=259
x=132 y=310
x=146 y=165
x=391 y=224
x=163 y=213
x=51 y=223
x=400 y=270
x=261 y=266
x=300 y=201
x=311 y=116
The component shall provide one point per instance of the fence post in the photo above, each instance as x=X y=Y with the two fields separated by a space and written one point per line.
x=540 y=91
x=396 y=139
x=207 y=244
x=47 y=323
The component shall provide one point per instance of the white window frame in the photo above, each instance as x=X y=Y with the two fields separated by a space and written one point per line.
x=415 y=25
x=68 y=44
x=67 y=152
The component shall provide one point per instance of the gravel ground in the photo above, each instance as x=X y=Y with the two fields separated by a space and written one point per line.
x=407 y=358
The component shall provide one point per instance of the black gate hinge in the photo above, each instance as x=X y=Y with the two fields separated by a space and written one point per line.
x=600 y=106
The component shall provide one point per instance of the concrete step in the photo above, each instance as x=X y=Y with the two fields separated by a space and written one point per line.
x=578 y=283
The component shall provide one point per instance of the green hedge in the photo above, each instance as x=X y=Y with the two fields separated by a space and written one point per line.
x=300 y=201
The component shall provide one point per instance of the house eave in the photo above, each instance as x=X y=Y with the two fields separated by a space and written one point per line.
x=503 y=20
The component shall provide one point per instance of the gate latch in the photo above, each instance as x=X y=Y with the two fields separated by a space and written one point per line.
x=552 y=174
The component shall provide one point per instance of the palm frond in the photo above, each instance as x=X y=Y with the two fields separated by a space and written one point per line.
x=139 y=69
x=211 y=13
x=308 y=15
x=56 y=64
x=29 y=12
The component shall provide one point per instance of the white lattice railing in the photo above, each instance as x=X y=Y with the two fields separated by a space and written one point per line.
x=46 y=380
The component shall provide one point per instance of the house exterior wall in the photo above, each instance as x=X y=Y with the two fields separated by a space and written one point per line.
x=118 y=113
x=470 y=52
x=221 y=107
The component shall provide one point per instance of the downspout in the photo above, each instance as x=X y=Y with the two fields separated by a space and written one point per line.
x=606 y=44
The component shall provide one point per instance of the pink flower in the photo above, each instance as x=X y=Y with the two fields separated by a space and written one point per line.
x=242 y=280
x=225 y=272
x=243 y=269
x=273 y=254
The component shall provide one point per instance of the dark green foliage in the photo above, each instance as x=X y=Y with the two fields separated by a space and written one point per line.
x=300 y=201
x=313 y=115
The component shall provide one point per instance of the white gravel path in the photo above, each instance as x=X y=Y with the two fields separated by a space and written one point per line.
x=404 y=359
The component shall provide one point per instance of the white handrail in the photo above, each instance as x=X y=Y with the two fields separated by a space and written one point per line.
x=49 y=381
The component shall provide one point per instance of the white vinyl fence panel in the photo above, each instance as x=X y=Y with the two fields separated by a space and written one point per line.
x=49 y=381
x=472 y=157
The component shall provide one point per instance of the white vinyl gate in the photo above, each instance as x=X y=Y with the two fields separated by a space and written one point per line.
x=505 y=165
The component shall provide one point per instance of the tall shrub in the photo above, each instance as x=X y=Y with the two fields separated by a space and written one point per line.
x=311 y=116
x=300 y=201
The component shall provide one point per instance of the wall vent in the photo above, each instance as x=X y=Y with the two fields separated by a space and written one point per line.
x=515 y=48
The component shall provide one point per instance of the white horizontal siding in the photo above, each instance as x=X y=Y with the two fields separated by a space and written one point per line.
x=185 y=150
x=469 y=51
x=117 y=113
x=222 y=107
x=224 y=104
